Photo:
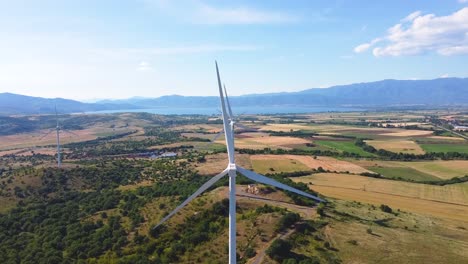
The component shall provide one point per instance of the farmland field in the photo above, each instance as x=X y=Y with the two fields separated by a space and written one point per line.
x=442 y=169
x=450 y=201
x=342 y=146
x=261 y=141
x=326 y=163
x=462 y=147
x=278 y=165
x=403 y=146
x=403 y=173
x=117 y=186
x=405 y=237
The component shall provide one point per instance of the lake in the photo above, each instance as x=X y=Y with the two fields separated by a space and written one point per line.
x=236 y=110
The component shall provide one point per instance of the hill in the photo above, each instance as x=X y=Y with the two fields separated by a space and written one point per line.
x=386 y=93
x=21 y=104
x=443 y=91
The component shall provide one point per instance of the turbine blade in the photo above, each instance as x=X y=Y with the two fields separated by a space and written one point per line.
x=46 y=134
x=203 y=188
x=221 y=96
x=68 y=131
x=227 y=126
x=231 y=116
x=263 y=179
x=217 y=136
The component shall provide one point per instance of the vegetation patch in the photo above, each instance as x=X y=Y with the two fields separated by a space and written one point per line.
x=437 y=148
x=344 y=146
x=404 y=173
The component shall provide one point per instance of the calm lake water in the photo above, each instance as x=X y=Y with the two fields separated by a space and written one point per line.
x=236 y=110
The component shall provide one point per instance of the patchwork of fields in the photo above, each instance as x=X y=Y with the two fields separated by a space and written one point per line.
x=425 y=188
x=440 y=201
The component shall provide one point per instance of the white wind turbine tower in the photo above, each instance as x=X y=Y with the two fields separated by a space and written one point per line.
x=231 y=171
x=57 y=130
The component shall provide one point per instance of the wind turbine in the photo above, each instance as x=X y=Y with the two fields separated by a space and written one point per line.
x=57 y=129
x=231 y=171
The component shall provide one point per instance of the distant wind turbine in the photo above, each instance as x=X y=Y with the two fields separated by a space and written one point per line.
x=57 y=129
x=231 y=171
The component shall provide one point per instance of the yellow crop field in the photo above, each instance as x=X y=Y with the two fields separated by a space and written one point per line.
x=277 y=165
x=404 y=146
x=327 y=163
x=261 y=142
x=408 y=133
x=285 y=127
x=444 y=169
x=450 y=201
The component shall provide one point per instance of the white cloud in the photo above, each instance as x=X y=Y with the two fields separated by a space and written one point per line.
x=363 y=47
x=417 y=34
x=444 y=75
x=462 y=1
x=453 y=50
x=411 y=16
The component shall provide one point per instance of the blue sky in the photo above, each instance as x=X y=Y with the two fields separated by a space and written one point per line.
x=119 y=49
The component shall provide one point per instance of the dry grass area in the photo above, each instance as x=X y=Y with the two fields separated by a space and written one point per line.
x=279 y=165
x=426 y=244
x=32 y=150
x=203 y=127
x=408 y=133
x=334 y=129
x=216 y=163
x=327 y=163
x=404 y=146
x=261 y=141
x=26 y=140
x=444 y=169
x=7 y=203
x=450 y=201
x=285 y=127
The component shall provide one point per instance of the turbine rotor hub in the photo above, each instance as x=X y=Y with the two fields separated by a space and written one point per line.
x=232 y=167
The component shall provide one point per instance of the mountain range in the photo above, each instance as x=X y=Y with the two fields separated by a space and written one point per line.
x=385 y=93
x=21 y=104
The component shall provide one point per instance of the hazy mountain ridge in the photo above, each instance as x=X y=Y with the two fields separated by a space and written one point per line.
x=443 y=91
x=21 y=104
x=437 y=92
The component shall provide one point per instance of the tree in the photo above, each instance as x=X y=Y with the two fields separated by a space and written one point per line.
x=385 y=208
x=279 y=249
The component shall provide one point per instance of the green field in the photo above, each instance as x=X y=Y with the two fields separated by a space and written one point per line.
x=462 y=148
x=404 y=173
x=342 y=146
